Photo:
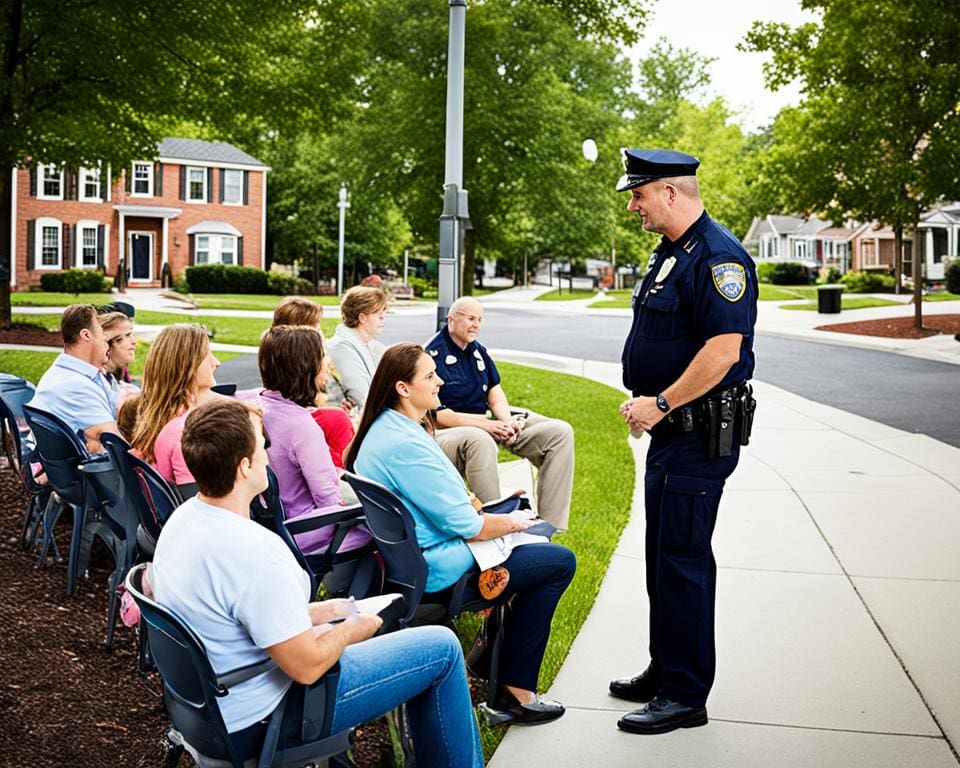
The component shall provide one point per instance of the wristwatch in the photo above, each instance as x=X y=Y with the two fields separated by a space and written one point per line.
x=662 y=404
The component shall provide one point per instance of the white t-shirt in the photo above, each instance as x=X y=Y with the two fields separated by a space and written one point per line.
x=240 y=589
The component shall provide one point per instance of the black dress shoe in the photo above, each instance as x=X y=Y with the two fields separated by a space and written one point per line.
x=506 y=709
x=641 y=688
x=661 y=715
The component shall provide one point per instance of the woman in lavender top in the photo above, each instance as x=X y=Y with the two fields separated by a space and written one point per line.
x=292 y=371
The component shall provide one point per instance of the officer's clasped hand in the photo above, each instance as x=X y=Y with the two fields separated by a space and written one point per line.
x=641 y=413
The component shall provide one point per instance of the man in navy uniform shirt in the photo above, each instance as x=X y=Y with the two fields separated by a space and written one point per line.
x=686 y=360
x=471 y=386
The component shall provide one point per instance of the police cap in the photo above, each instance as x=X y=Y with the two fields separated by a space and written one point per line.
x=641 y=166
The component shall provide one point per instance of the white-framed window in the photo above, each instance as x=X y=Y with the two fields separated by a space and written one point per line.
x=215 y=249
x=768 y=246
x=800 y=250
x=233 y=187
x=868 y=253
x=142 y=183
x=49 y=244
x=50 y=182
x=89 y=191
x=88 y=244
x=196 y=185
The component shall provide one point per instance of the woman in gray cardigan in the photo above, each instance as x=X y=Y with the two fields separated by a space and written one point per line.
x=354 y=349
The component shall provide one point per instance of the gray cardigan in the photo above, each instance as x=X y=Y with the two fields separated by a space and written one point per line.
x=355 y=361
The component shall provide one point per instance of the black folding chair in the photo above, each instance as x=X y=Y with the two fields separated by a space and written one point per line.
x=394 y=530
x=354 y=572
x=69 y=469
x=192 y=690
x=19 y=448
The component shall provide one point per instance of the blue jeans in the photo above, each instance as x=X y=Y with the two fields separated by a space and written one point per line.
x=423 y=667
x=539 y=575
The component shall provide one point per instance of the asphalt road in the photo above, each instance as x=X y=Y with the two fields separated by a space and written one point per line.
x=907 y=393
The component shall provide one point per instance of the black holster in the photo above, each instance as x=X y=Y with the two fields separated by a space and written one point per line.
x=747 y=406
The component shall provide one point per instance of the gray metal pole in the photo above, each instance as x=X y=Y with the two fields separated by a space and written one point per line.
x=343 y=204
x=451 y=236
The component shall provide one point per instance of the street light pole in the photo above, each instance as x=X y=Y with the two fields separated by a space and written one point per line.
x=454 y=216
x=343 y=204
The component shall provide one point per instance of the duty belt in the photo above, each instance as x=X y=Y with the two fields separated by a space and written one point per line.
x=719 y=416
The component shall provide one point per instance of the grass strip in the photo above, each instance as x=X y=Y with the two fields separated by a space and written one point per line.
x=576 y=294
x=602 y=493
x=851 y=302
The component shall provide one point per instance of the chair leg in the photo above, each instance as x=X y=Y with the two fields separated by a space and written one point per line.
x=113 y=607
x=76 y=540
x=51 y=514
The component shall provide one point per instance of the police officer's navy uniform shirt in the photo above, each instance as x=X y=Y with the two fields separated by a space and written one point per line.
x=468 y=374
x=701 y=286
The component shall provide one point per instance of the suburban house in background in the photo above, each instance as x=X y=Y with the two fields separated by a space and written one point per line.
x=196 y=202
x=861 y=248
x=812 y=242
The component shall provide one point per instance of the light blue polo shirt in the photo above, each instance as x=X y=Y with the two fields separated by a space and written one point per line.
x=77 y=392
x=399 y=454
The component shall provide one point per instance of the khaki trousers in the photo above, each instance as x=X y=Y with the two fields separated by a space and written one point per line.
x=546 y=443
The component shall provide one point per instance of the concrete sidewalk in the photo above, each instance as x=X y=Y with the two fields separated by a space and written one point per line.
x=838 y=626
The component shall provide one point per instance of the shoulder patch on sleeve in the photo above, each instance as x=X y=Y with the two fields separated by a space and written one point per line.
x=730 y=280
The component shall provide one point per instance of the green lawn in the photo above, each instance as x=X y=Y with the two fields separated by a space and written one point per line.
x=31 y=365
x=614 y=300
x=226 y=330
x=602 y=492
x=847 y=302
x=577 y=293
x=942 y=296
x=251 y=301
x=44 y=299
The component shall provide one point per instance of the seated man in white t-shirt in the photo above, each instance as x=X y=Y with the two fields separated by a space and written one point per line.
x=240 y=589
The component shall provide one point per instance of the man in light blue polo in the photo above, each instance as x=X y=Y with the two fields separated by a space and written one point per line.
x=74 y=387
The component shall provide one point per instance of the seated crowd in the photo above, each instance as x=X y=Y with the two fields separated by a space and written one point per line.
x=423 y=427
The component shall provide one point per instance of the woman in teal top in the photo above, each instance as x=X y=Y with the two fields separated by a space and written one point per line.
x=394 y=446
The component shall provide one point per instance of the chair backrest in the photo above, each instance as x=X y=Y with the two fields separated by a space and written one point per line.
x=14 y=394
x=189 y=682
x=153 y=497
x=267 y=509
x=224 y=389
x=394 y=530
x=61 y=451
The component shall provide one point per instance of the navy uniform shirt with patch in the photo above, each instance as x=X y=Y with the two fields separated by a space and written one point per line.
x=701 y=286
x=468 y=374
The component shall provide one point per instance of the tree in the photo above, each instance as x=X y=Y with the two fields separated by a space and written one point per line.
x=878 y=129
x=86 y=81
x=540 y=77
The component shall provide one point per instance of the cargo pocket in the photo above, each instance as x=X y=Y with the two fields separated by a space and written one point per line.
x=688 y=513
x=660 y=316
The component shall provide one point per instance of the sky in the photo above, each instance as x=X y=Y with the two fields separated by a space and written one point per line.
x=713 y=28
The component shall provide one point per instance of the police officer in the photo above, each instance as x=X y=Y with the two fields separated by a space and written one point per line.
x=686 y=360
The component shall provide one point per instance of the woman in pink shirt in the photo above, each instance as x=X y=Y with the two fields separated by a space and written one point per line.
x=178 y=374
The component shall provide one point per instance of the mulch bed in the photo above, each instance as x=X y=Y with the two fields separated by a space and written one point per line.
x=899 y=327
x=19 y=333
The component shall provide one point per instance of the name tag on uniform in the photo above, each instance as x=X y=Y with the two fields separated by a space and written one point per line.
x=450 y=359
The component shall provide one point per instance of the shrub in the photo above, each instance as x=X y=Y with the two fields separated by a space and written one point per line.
x=420 y=286
x=867 y=282
x=829 y=275
x=76 y=281
x=180 y=285
x=953 y=277
x=219 y=278
x=288 y=285
x=782 y=273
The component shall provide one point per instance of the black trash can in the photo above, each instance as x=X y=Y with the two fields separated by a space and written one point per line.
x=828 y=299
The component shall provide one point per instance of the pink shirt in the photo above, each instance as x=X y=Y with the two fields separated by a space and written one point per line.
x=169 y=458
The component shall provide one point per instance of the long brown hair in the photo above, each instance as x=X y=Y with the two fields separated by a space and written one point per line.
x=169 y=381
x=399 y=363
x=290 y=358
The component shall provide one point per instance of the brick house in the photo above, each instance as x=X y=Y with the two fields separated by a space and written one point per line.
x=197 y=202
